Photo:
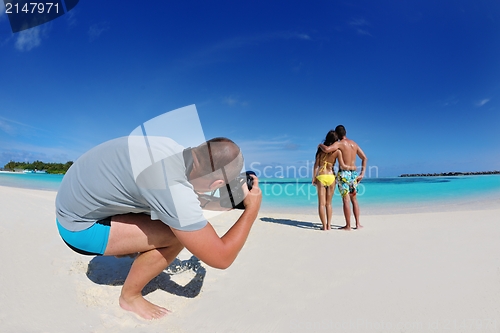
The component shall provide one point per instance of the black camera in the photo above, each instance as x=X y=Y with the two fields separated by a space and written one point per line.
x=232 y=195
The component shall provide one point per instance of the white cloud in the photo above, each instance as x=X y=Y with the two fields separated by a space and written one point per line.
x=363 y=32
x=230 y=101
x=96 y=30
x=28 y=39
x=276 y=150
x=23 y=142
x=233 y=101
x=303 y=36
x=217 y=51
x=14 y=127
x=452 y=100
x=71 y=18
x=359 y=22
x=5 y=127
x=268 y=145
x=482 y=102
x=360 y=25
x=278 y=157
x=24 y=153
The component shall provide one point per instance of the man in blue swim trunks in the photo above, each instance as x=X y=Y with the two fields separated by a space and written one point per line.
x=348 y=179
x=109 y=204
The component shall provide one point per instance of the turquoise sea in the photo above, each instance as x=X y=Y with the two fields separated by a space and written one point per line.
x=382 y=195
x=376 y=195
x=37 y=181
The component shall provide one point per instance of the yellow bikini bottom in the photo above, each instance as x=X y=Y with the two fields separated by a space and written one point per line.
x=326 y=180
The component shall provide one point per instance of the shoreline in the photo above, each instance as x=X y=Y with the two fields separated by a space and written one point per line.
x=451 y=174
x=486 y=202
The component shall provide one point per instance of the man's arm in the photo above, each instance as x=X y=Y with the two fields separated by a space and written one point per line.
x=209 y=202
x=315 y=170
x=329 y=149
x=364 y=161
x=217 y=252
x=339 y=157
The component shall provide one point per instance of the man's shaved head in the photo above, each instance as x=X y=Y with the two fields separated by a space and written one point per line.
x=219 y=153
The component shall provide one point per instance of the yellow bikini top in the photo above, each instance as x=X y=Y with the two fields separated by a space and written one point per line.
x=325 y=163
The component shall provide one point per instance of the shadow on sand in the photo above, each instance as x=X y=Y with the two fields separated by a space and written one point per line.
x=112 y=271
x=298 y=224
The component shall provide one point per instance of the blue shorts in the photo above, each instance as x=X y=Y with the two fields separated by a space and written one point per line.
x=91 y=241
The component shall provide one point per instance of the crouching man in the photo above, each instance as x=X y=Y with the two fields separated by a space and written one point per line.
x=107 y=205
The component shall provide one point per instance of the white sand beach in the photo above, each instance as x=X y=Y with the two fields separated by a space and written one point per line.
x=415 y=272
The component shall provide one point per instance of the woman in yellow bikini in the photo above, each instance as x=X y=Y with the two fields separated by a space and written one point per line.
x=324 y=179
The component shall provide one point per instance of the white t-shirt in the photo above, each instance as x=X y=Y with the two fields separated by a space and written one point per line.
x=113 y=178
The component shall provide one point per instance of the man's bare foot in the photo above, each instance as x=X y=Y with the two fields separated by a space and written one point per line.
x=345 y=228
x=143 y=308
x=359 y=226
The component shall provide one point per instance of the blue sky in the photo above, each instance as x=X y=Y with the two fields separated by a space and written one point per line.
x=416 y=83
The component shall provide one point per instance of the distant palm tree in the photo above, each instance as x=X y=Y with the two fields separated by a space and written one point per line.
x=11 y=165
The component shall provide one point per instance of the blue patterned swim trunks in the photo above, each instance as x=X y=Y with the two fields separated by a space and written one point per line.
x=346 y=182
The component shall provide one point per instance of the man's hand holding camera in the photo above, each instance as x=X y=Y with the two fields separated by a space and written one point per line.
x=235 y=194
x=253 y=197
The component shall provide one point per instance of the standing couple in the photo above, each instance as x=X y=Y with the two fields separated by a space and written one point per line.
x=338 y=147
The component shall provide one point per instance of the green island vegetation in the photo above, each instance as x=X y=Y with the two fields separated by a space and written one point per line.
x=56 y=168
